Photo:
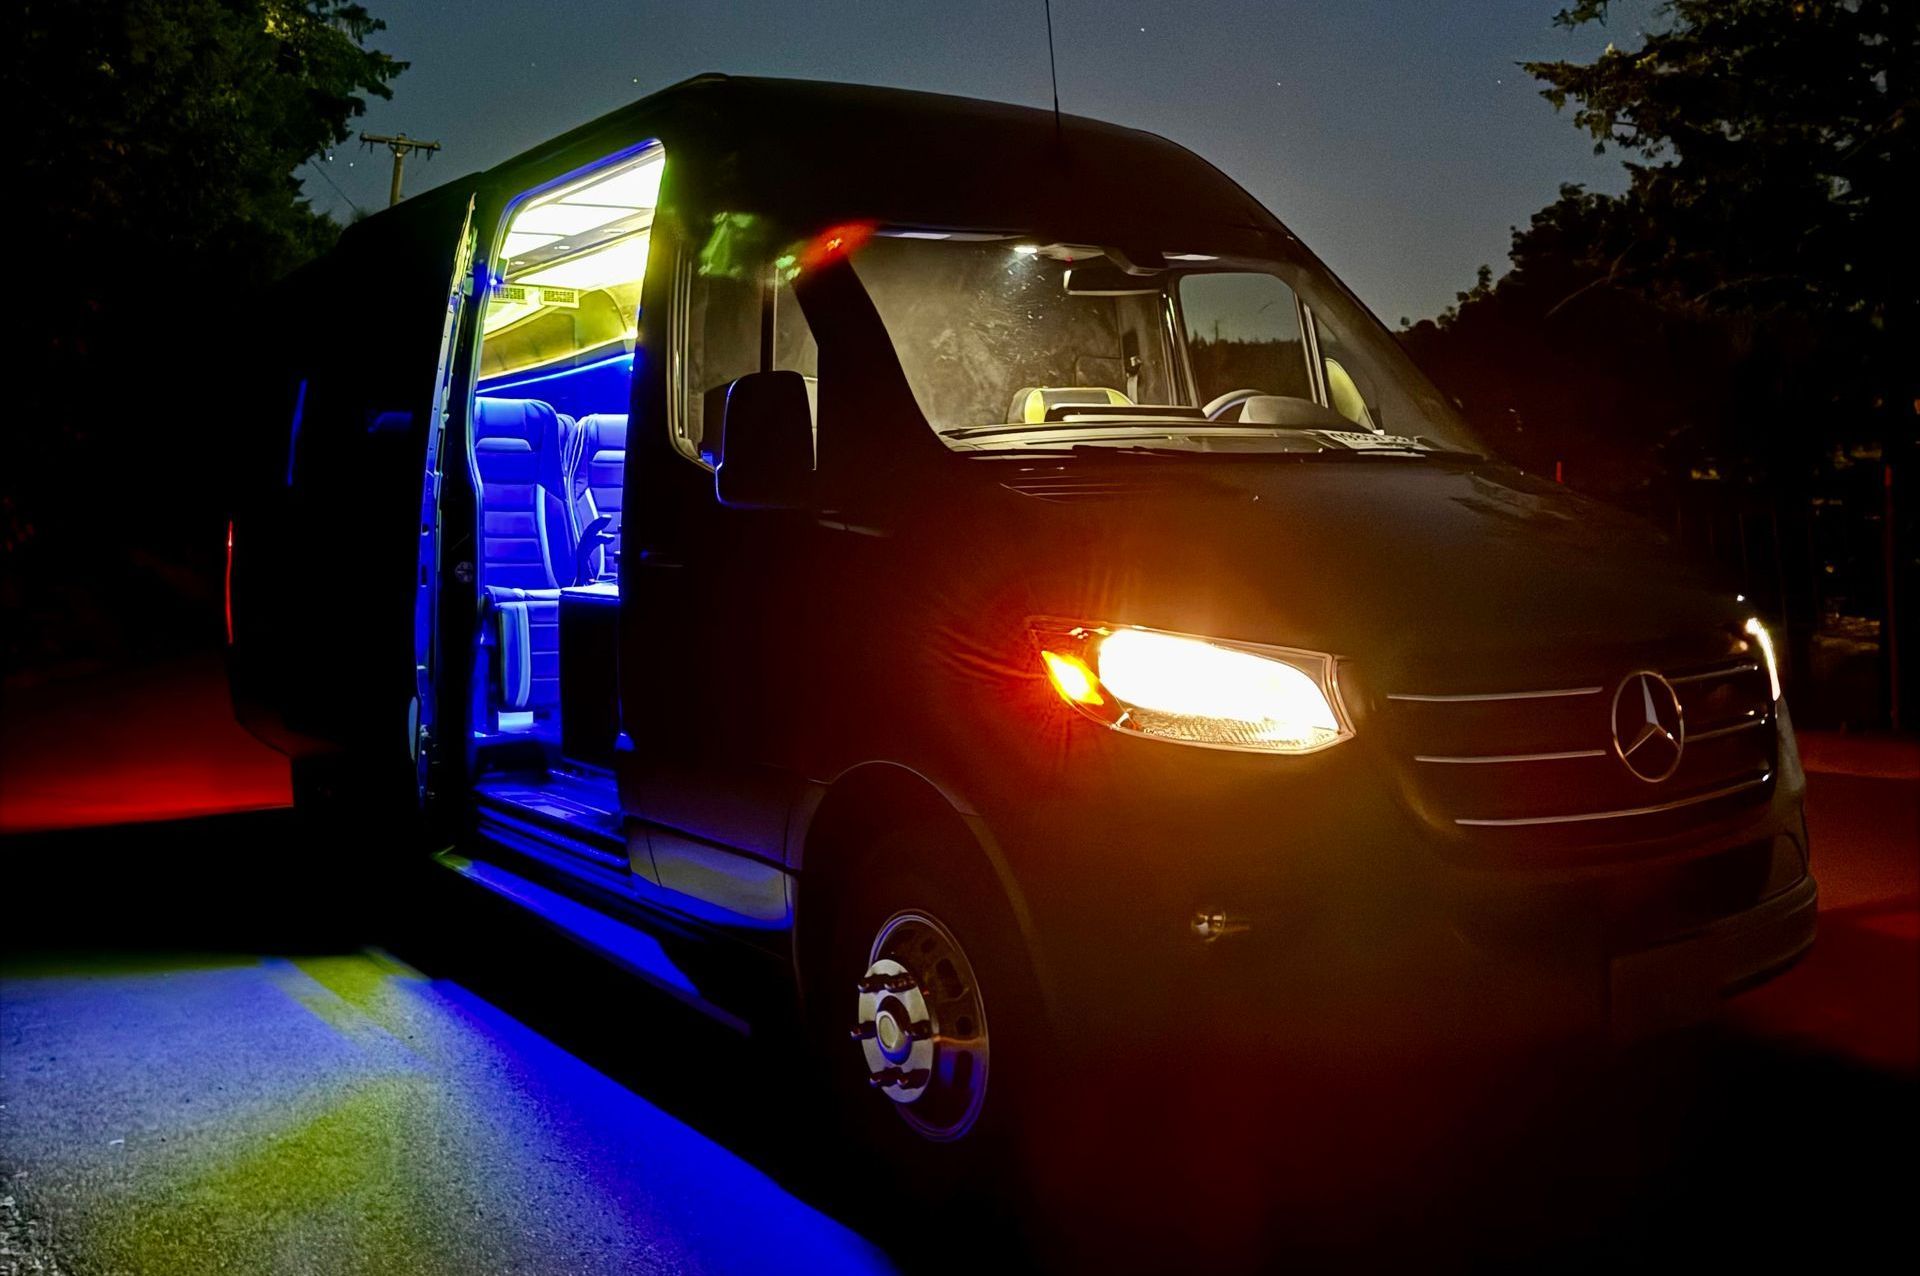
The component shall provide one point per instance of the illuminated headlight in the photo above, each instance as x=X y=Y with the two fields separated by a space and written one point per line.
x=1761 y=639
x=1194 y=690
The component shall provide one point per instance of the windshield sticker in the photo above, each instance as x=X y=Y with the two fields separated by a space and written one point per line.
x=1360 y=441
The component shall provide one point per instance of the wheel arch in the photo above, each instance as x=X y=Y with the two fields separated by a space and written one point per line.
x=840 y=820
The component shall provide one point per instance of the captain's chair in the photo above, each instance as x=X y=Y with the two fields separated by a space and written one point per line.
x=599 y=483
x=527 y=536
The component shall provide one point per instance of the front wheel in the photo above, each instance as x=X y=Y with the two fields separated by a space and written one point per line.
x=921 y=1021
x=925 y=1012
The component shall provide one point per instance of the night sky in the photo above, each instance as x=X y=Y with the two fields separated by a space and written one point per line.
x=1397 y=137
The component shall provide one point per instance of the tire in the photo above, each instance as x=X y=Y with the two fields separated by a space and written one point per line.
x=923 y=913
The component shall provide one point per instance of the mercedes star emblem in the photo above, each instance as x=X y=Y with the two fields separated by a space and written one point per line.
x=1648 y=732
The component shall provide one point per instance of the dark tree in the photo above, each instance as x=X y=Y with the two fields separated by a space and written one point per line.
x=1742 y=322
x=155 y=146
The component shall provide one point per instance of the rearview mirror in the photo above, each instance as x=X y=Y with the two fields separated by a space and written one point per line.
x=1103 y=279
x=766 y=443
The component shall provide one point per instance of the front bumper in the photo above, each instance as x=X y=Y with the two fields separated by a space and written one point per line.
x=1678 y=982
x=1347 y=930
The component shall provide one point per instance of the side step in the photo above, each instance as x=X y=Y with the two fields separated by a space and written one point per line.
x=628 y=947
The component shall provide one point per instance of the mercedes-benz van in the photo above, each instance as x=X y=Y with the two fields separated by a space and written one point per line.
x=975 y=576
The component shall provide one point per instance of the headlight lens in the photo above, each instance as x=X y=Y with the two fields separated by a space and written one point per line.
x=1194 y=690
x=1758 y=632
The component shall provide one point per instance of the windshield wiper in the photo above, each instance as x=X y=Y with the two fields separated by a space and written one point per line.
x=1094 y=451
x=989 y=431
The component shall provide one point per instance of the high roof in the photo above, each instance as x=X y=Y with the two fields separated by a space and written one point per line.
x=813 y=152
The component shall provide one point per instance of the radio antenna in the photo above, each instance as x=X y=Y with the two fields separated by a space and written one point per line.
x=1053 y=71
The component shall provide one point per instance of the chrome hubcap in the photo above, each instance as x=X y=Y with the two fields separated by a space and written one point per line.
x=921 y=1026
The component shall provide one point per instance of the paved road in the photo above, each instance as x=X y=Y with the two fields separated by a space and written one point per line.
x=228 y=1078
x=174 y=1112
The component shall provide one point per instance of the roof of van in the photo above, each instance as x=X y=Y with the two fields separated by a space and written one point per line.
x=816 y=152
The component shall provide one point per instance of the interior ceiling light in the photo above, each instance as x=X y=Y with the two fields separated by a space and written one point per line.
x=622 y=262
x=631 y=188
x=520 y=242
x=563 y=219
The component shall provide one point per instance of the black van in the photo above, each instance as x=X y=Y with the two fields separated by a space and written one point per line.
x=977 y=571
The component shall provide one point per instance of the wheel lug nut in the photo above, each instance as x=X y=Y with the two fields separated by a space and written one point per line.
x=895 y=1077
x=862 y=1032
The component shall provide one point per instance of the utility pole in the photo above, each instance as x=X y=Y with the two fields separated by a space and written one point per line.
x=400 y=144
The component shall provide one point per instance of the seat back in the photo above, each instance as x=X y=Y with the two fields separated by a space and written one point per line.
x=521 y=448
x=600 y=478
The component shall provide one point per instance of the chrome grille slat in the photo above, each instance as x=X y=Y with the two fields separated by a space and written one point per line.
x=1484 y=758
x=1744 y=666
x=1489 y=696
x=1716 y=732
x=1588 y=816
x=1521 y=771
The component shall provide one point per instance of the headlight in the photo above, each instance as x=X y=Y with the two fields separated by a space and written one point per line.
x=1193 y=690
x=1758 y=632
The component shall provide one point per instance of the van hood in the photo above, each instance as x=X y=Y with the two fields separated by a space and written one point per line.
x=1430 y=569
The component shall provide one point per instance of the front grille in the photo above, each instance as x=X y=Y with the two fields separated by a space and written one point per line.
x=1533 y=767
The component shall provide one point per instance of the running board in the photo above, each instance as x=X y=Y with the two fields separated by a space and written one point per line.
x=628 y=947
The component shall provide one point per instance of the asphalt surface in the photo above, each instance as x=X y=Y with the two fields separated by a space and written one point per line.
x=212 y=1074
x=223 y=1050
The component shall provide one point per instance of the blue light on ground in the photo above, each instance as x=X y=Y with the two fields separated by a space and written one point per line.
x=278 y=1111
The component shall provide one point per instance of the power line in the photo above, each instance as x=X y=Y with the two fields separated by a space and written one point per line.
x=328 y=178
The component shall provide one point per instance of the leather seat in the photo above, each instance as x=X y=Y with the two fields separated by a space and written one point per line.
x=522 y=449
x=600 y=480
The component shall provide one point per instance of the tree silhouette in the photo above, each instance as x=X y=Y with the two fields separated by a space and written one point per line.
x=156 y=143
x=1747 y=310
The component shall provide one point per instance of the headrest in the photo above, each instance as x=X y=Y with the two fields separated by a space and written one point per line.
x=603 y=432
x=1032 y=404
x=528 y=420
x=500 y=424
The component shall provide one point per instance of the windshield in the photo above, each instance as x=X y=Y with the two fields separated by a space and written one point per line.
x=1015 y=344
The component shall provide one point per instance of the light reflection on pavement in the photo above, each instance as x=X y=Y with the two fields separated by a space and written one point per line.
x=344 y=1113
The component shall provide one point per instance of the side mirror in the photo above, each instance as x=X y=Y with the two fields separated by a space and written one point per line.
x=766 y=444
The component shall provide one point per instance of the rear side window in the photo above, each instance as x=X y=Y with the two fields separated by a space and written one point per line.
x=1243 y=333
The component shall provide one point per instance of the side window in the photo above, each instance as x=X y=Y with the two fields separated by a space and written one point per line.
x=731 y=326
x=1243 y=333
x=1352 y=388
x=1363 y=385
